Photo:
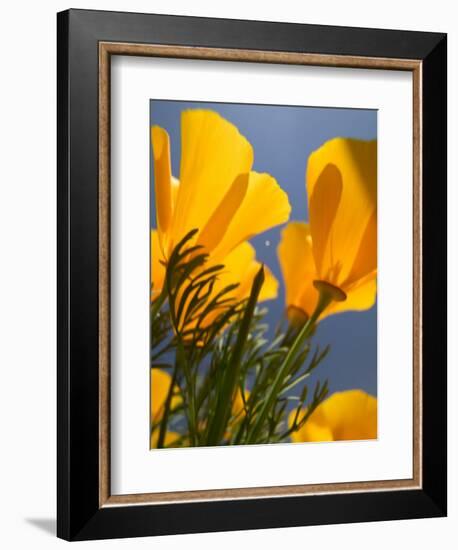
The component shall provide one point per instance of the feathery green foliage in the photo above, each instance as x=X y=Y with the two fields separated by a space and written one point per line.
x=235 y=386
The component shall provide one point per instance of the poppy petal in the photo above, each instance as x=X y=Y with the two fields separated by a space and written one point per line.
x=216 y=227
x=352 y=414
x=241 y=266
x=162 y=179
x=360 y=297
x=298 y=266
x=264 y=206
x=157 y=267
x=213 y=154
x=344 y=416
x=169 y=440
x=160 y=384
x=355 y=163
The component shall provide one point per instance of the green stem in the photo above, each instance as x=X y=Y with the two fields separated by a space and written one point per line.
x=325 y=298
x=240 y=429
x=232 y=369
x=191 y=393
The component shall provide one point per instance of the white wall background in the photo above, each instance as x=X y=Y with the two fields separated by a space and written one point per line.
x=28 y=279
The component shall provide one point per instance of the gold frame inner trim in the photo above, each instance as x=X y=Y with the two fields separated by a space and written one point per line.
x=106 y=50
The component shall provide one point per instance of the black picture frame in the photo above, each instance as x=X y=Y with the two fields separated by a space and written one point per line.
x=79 y=514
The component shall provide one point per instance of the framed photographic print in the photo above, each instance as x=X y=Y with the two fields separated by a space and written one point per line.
x=252 y=274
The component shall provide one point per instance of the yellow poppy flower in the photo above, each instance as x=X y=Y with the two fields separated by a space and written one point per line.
x=347 y=415
x=160 y=384
x=218 y=194
x=339 y=245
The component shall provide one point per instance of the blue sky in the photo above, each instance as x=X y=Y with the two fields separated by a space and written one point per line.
x=283 y=138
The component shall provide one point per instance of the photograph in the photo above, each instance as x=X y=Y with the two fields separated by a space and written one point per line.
x=251 y=274
x=263 y=248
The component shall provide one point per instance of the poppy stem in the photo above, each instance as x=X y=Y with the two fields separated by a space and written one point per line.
x=232 y=370
x=327 y=294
